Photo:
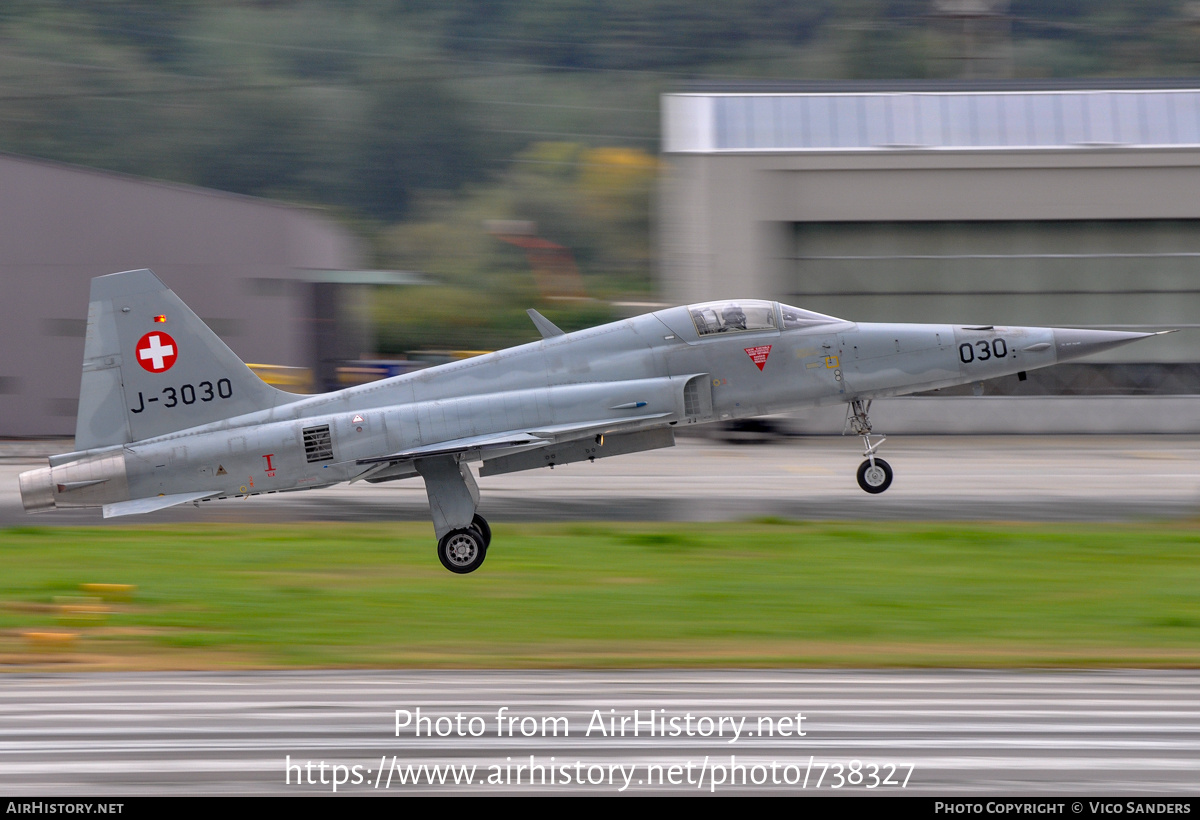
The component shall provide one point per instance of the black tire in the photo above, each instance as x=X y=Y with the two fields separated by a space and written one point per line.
x=877 y=480
x=480 y=525
x=462 y=551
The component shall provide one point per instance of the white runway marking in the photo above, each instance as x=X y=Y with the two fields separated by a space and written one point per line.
x=962 y=733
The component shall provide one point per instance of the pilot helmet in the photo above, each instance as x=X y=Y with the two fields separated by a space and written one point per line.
x=734 y=316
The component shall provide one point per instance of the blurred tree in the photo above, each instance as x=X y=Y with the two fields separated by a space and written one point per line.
x=416 y=137
x=450 y=114
x=594 y=202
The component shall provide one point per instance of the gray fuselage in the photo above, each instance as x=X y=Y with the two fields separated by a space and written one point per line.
x=653 y=370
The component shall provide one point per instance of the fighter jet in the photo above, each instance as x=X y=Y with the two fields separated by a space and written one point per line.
x=168 y=414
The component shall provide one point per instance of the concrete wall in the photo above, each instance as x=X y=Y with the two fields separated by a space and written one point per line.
x=231 y=258
x=1025 y=415
x=729 y=228
x=726 y=218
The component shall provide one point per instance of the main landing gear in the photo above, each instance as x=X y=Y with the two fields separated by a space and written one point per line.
x=874 y=474
x=463 y=550
x=463 y=534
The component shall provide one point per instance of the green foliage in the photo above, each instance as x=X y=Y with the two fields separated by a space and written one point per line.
x=305 y=103
x=370 y=106
x=593 y=204
x=731 y=594
x=627 y=34
x=417 y=121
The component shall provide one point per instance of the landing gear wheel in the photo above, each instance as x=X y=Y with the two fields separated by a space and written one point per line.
x=875 y=478
x=480 y=525
x=462 y=551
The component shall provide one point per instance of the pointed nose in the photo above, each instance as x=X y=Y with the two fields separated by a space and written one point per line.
x=1071 y=343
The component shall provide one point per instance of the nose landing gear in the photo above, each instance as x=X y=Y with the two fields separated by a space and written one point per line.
x=874 y=474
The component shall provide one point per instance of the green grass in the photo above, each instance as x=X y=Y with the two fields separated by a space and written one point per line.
x=770 y=593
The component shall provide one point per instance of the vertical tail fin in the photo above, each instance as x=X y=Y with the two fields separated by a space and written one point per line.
x=151 y=366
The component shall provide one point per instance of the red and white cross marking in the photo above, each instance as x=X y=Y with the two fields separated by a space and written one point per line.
x=156 y=352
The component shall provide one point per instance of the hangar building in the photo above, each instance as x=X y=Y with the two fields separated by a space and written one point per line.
x=260 y=273
x=1004 y=202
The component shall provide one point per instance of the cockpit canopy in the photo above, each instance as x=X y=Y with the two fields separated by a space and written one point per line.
x=733 y=316
x=794 y=317
x=738 y=315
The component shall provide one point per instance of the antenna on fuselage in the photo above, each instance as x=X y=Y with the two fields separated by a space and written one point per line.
x=544 y=325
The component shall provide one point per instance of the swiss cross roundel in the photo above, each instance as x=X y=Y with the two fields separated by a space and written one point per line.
x=156 y=352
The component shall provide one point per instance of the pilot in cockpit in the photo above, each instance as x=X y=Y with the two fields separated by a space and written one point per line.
x=735 y=317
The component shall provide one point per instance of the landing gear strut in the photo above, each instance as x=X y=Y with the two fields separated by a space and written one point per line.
x=874 y=474
x=463 y=534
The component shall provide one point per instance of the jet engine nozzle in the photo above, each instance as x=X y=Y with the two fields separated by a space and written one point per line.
x=37 y=490
x=92 y=481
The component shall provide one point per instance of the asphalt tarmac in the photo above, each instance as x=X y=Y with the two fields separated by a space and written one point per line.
x=958 y=735
x=951 y=734
x=1002 y=478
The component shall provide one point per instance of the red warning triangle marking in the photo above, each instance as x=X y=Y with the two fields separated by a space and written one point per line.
x=758 y=355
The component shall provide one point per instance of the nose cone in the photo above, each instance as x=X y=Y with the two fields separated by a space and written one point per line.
x=1074 y=343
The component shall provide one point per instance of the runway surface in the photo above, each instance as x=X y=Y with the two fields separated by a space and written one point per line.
x=954 y=734
x=1021 y=478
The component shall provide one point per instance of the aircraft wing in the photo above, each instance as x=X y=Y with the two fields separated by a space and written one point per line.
x=566 y=432
x=514 y=439
x=462 y=445
x=155 y=502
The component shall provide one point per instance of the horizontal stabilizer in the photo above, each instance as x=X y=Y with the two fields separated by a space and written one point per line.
x=156 y=502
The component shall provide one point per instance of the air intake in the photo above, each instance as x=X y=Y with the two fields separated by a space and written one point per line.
x=318 y=445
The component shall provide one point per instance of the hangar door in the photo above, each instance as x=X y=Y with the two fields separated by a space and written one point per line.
x=1134 y=274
